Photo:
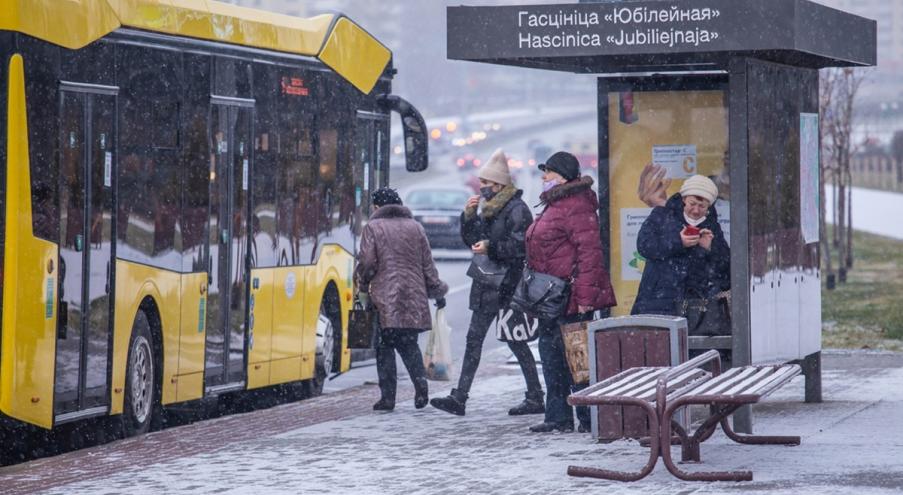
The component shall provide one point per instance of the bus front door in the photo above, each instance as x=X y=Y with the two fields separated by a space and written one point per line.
x=227 y=315
x=87 y=147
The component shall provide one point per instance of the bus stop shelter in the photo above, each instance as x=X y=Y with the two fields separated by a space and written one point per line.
x=726 y=89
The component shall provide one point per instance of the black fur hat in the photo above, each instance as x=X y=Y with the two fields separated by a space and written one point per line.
x=385 y=196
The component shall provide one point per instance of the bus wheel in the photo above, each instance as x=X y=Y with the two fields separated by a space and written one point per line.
x=325 y=352
x=140 y=380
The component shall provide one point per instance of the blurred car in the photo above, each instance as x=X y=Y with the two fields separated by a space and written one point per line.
x=439 y=211
x=467 y=162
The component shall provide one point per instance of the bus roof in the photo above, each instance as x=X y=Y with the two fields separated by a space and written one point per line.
x=334 y=39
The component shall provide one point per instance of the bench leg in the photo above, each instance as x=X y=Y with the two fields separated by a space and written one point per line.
x=647 y=441
x=757 y=439
x=654 y=449
x=811 y=365
x=690 y=443
x=692 y=447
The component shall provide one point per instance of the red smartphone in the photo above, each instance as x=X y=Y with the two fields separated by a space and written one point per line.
x=691 y=230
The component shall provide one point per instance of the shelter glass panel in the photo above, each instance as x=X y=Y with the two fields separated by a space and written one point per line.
x=660 y=132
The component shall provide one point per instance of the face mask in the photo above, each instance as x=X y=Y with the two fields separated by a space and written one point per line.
x=549 y=184
x=693 y=222
x=487 y=193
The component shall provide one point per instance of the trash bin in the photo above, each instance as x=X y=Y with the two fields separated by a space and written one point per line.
x=621 y=343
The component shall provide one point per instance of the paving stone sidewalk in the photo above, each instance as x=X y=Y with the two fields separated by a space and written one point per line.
x=851 y=443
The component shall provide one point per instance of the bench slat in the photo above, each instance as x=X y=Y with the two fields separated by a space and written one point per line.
x=639 y=382
x=609 y=381
x=781 y=376
x=715 y=380
x=759 y=375
x=689 y=387
x=639 y=387
x=720 y=383
x=617 y=387
x=675 y=383
x=617 y=381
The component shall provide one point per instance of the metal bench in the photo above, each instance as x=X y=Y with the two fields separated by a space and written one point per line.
x=661 y=391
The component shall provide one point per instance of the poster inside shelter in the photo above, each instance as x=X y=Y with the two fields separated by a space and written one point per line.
x=679 y=160
x=632 y=263
x=809 y=189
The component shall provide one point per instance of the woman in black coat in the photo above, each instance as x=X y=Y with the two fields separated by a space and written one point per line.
x=498 y=231
x=687 y=256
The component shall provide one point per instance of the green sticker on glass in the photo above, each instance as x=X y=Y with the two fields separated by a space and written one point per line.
x=48 y=303
x=202 y=310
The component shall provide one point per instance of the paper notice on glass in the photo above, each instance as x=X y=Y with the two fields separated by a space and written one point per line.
x=809 y=189
x=632 y=263
x=723 y=208
x=108 y=169
x=244 y=174
x=679 y=160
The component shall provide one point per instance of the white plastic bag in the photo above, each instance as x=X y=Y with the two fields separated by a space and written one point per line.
x=437 y=356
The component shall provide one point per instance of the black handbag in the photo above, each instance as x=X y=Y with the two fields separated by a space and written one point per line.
x=709 y=316
x=516 y=326
x=541 y=295
x=487 y=272
x=363 y=326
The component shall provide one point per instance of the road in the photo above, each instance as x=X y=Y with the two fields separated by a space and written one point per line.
x=444 y=172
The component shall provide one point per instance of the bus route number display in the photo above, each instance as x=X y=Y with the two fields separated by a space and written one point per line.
x=293 y=86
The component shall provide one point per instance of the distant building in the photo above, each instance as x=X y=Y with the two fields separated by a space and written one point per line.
x=884 y=87
x=889 y=14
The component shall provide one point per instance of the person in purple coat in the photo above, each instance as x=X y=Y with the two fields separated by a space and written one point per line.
x=564 y=241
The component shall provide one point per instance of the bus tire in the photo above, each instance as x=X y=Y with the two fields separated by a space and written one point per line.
x=140 y=403
x=325 y=351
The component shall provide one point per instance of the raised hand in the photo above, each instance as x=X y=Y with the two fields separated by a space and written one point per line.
x=653 y=186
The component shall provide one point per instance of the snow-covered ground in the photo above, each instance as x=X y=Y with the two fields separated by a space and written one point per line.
x=873 y=211
x=851 y=443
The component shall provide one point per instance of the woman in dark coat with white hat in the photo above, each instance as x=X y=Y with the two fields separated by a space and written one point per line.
x=687 y=256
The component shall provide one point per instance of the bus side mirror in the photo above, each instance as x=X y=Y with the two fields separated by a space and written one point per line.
x=416 y=142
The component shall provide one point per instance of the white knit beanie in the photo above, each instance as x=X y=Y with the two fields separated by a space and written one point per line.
x=700 y=185
x=496 y=169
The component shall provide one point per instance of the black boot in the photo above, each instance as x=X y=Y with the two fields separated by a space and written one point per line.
x=384 y=405
x=545 y=427
x=421 y=394
x=532 y=404
x=454 y=403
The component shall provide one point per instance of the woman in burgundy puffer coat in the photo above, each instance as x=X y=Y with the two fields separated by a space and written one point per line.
x=564 y=241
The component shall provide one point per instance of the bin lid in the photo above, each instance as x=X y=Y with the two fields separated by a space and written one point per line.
x=661 y=35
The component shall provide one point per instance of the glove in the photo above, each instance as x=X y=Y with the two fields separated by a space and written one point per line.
x=440 y=303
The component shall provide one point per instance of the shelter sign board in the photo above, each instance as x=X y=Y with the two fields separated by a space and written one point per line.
x=706 y=30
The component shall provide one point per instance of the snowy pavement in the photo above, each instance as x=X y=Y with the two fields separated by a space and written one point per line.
x=873 y=211
x=851 y=443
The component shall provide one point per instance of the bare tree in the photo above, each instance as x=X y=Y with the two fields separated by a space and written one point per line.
x=896 y=147
x=838 y=91
x=825 y=174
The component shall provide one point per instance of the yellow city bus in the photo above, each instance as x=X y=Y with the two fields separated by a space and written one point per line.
x=184 y=184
